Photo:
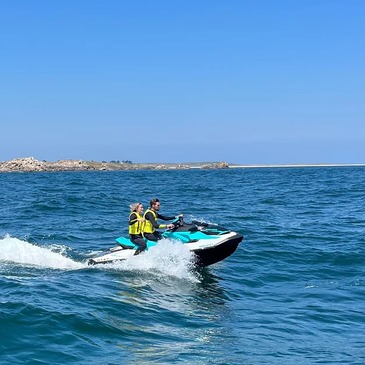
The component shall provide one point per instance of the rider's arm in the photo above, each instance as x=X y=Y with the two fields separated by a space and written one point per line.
x=165 y=218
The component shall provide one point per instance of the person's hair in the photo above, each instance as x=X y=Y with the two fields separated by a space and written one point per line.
x=154 y=201
x=134 y=207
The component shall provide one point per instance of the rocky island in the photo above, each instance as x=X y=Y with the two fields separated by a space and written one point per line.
x=30 y=164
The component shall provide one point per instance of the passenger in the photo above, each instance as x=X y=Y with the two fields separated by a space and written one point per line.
x=150 y=225
x=136 y=222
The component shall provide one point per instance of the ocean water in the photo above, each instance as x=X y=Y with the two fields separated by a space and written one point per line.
x=292 y=293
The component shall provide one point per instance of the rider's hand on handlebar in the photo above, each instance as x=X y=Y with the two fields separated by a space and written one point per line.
x=169 y=226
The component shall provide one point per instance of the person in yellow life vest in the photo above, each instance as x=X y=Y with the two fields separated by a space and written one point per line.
x=136 y=222
x=150 y=225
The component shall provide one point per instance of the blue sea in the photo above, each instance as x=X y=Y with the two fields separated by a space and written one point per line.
x=292 y=293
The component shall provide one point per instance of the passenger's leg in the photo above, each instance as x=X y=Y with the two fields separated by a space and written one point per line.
x=140 y=242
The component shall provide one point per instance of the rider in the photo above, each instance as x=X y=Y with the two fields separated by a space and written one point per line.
x=136 y=223
x=150 y=225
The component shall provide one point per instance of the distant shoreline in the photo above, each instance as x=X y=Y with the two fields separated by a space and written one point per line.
x=30 y=164
x=299 y=165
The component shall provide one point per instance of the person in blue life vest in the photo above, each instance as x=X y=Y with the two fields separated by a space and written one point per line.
x=136 y=223
x=150 y=224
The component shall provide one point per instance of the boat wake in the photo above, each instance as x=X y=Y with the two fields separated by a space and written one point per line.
x=21 y=252
x=166 y=259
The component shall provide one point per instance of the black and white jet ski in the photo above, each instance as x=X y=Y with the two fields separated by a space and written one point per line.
x=210 y=243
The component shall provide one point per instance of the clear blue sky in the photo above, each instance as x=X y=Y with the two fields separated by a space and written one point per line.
x=242 y=81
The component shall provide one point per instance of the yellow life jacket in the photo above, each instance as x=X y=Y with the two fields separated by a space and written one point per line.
x=148 y=227
x=137 y=226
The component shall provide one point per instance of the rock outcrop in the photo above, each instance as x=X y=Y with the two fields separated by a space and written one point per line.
x=23 y=164
x=216 y=165
x=30 y=164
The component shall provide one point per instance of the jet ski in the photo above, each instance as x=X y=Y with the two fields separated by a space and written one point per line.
x=210 y=243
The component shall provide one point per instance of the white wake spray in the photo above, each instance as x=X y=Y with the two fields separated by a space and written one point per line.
x=167 y=258
x=25 y=253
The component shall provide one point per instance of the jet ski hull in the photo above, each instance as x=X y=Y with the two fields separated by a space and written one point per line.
x=210 y=256
x=207 y=251
x=117 y=253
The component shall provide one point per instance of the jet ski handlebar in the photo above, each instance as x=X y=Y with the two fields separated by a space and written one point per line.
x=177 y=222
